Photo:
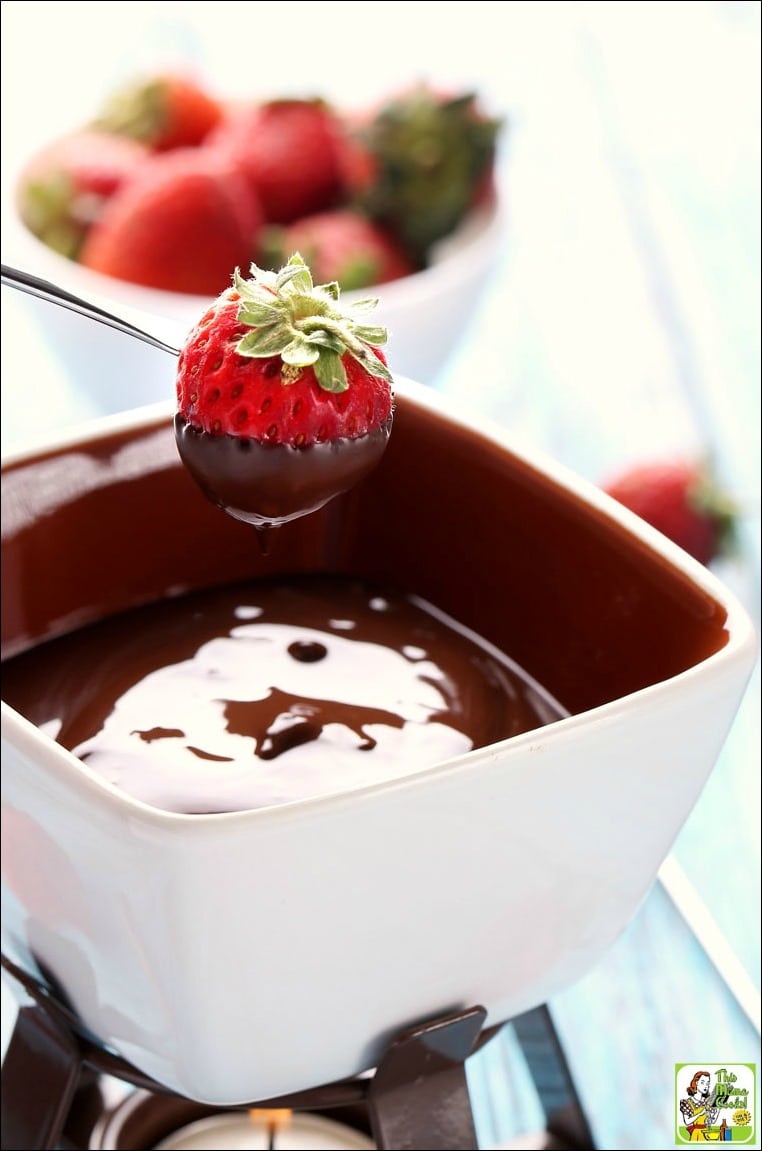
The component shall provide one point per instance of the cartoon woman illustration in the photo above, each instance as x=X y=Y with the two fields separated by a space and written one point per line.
x=699 y=1111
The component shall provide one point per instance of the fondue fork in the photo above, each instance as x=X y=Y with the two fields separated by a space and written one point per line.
x=45 y=290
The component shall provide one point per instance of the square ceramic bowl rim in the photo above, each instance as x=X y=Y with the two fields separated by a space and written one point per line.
x=740 y=646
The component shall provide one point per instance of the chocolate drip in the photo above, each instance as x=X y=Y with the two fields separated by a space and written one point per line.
x=306 y=651
x=296 y=720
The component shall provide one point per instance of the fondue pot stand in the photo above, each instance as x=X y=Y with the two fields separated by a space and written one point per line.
x=417 y=1098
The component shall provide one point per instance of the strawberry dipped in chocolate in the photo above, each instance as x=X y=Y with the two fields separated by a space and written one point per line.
x=284 y=398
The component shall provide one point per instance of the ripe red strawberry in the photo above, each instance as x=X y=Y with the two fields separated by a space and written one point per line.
x=283 y=399
x=289 y=152
x=163 y=112
x=340 y=245
x=680 y=498
x=64 y=188
x=180 y=225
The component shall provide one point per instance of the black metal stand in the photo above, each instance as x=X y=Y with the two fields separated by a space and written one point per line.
x=417 y=1097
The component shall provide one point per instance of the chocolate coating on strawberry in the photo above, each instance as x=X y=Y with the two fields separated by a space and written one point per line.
x=284 y=400
x=269 y=484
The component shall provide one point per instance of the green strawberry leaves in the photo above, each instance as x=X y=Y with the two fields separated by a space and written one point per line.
x=304 y=325
x=330 y=373
x=269 y=341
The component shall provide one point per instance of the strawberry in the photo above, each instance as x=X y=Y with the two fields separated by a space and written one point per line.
x=682 y=500
x=419 y=163
x=283 y=398
x=340 y=245
x=180 y=225
x=163 y=112
x=64 y=188
x=289 y=151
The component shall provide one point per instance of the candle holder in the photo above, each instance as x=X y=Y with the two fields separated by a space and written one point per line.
x=417 y=1097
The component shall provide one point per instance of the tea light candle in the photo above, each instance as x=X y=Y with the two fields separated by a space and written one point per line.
x=239 y=1131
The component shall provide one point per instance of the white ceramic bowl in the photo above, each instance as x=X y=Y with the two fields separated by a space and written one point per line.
x=427 y=314
x=238 y=956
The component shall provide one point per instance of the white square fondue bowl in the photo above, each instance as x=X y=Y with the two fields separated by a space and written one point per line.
x=239 y=956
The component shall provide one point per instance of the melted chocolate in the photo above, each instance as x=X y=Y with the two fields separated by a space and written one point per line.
x=258 y=694
x=269 y=484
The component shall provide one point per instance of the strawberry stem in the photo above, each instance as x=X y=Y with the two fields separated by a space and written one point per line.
x=304 y=325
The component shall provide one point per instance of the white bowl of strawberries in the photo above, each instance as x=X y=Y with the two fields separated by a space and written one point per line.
x=149 y=207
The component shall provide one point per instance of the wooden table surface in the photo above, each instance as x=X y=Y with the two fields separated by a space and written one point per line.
x=621 y=321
